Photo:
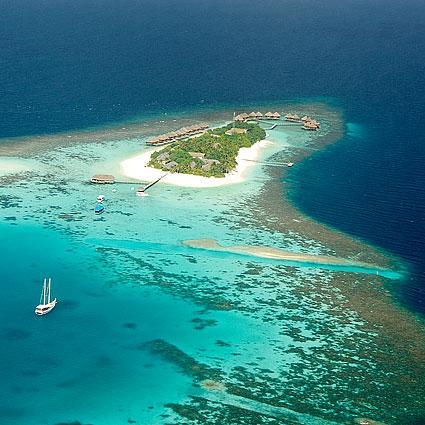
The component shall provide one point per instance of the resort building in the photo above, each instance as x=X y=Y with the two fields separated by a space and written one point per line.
x=236 y=130
x=199 y=155
x=171 y=164
x=272 y=116
x=310 y=125
x=292 y=118
x=103 y=179
x=178 y=134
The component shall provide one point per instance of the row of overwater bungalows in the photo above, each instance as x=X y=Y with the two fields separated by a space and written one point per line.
x=181 y=133
x=257 y=116
x=308 y=122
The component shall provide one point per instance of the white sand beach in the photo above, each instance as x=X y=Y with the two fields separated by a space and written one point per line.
x=136 y=168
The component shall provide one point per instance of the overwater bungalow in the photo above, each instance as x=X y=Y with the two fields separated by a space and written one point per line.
x=268 y=115
x=180 y=133
x=153 y=141
x=184 y=130
x=239 y=118
x=311 y=126
x=172 y=135
x=276 y=115
x=306 y=118
x=253 y=115
x=292 y=118
x=259 y=115
x=194 y=128
x=245 y=116
x=103 y=179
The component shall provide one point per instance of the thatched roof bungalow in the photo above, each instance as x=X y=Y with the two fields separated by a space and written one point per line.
x=309 y=125
x=292 y=118
x=153 y=141
x=253 y=115
x=239 y=118
x=180 y=133
x=103 y=179
x=170 y=165
x=259 y=114
x=268 y=115
x=199 y=155
x=235 y=130
x=276 y=115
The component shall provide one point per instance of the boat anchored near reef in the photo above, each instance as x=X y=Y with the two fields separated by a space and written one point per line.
x=100 y=198
x=46 y=304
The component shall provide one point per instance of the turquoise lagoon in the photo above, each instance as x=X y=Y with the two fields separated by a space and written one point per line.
x=142 y=320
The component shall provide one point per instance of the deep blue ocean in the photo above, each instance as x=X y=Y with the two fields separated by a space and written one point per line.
x=83 y=63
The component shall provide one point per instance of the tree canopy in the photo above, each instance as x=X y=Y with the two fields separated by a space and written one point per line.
x=212 y=154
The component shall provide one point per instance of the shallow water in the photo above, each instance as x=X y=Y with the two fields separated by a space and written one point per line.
x=124 y=280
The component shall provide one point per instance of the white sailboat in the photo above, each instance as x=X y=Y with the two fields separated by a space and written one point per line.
x=46 y=304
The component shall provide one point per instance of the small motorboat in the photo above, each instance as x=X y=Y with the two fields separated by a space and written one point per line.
x=46 y=304
x=99 y=208
x=100 y=198
x=290 y=164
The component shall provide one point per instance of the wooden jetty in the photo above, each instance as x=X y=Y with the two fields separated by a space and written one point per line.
x=142 y=189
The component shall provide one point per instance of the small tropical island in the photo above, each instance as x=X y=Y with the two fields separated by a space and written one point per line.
x=212 y=154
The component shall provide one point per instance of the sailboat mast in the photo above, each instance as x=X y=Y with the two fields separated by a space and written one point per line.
x=50 y=281
x=44 y=290
x=41 y=295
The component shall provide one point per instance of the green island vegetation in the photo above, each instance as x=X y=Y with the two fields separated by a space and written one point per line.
x=213 y=154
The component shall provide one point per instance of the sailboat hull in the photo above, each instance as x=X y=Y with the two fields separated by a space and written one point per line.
x=43 y=309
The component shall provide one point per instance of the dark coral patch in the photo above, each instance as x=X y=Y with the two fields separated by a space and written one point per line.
x=130 y=325
x=13 y=334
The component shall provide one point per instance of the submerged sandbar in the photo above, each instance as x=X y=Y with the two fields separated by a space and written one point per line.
x=276 y=253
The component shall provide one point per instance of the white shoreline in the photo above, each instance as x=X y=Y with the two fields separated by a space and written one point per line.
x=136 y=168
